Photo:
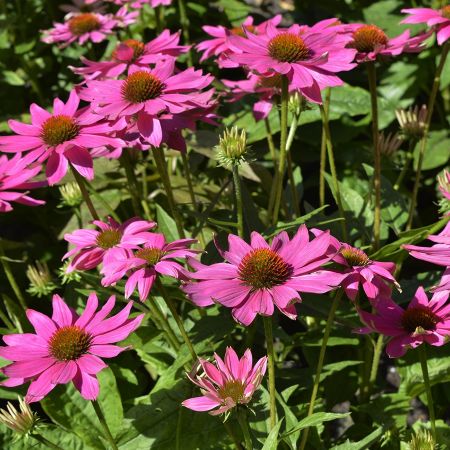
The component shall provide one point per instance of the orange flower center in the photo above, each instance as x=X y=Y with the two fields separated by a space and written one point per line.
x=233 y=389
x=69 y=343
x=141 y=86
x=288 y=47
x=137 y=47
x=58 y=129
x=239 y=31
x=108 y=238
x=367 y=38
x=84 y=23
x=270 y=82
x=152 y=255
x=263 y=268
x=419 y=317
x=355 y=256
x=445 y=11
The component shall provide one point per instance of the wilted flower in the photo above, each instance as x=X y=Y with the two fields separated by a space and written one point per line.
x=412 y=121
x=232 y=147
x=422 y=321
x=226 y=384
x=22 y=421
x=41 y=283
x=389 y=144
x=70 y=194
x=66 y=347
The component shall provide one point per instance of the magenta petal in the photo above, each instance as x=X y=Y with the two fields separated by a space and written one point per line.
x=87 y=385
x=90 y=364
x=200 y=404
x=106 y=350
x=81 y=161
x=44 y=326
x=62 y=314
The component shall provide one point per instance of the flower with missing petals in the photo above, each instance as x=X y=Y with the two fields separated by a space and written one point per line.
x=423 y=321
x=91 y=246
x=256 y=277
x=227 y=383
x=371 y=41
x=412 y=121
x=389 y=144
x=438 y=19
x=66 y=347
x=61 y=137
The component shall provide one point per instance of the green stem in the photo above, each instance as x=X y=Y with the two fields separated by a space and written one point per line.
x=375 y=364
x=45 y=441
x=233 y=437
x=326 y=335
x=372 y=77
x=12 y=281
x=405 y=168
x=161 y=321
x=131 y=179
x=323 y=148
x=177 y=318
x=333 y=170
x=283 y=142
x=6 y=321
x=270 y=143
x=162 y=169
x=271 y=365
x=184 y=20
x=426 y=379
x=423 y=141
x=238 y=194
x=242 y=419
x=104 y=425
x=80 y=180
x=290 y=140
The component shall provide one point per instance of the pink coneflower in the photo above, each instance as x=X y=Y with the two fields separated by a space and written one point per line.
x=133 y=53
x=256 y=277
x=422 y=321
x=375 y=277
x=14 y=182
x=220 y=46
x=81 y=28
x=226 y=384
x=309 y=60
x=91 y=246
x=142 y=265
x=66 y=347
x=125 y=17
x=371 y=41
x=145 y=94
x=82 y=6
x=141 y=3
x=438 y=19
x=61 y=137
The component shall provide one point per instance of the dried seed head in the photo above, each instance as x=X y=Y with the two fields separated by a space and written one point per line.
x=232 y=148
x=389 y=144
x=412 y=121
x=41 y=283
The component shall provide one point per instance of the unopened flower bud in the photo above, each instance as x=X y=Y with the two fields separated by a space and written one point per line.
x=68 y=277
x=22 y=421
x=297 y=103
x=412 y=122
x=389 y=144
x=41 y=283
x=422 y=440
x=70 y=195
x=232 y=147
x=444 y=187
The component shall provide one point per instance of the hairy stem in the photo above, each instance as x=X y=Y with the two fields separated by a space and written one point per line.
x=238 y=194
x=242 y=419
x=84 y=192
x=104 y=425
x=323 y=148
x=426 y=379
x=271 y=365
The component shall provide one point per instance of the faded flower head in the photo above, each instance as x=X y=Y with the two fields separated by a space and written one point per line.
x=412 y=121
x=22 y=421
x=389 y=144
x=232 y=147
x=70 y=195
x=41 y=283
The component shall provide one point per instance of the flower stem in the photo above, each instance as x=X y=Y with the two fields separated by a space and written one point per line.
x=323 y=148
x=404 y=171
x=423 y=141
x=290 y=140
x=177 y=318
x=326 y=335
x=12 y=281
x=233 y=437
x=372 y=77
x=238 y=194
x=80 y=180
x=162 y=169
x=45 y=441
x=271 y=363
x=334 y=176
x=242 y=419
x=426 y=379
x=283 y=142
x=103 y=423
x=131 y=179
x=271 y=144
x=375 y=364
x=184 y=20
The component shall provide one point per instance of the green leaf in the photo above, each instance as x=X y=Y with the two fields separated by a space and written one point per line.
x=362 y=444
x=166 y=224
x=272 y=440
x=235 y=10
x=314 y=420
x=13 y=78
x=437 y=150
